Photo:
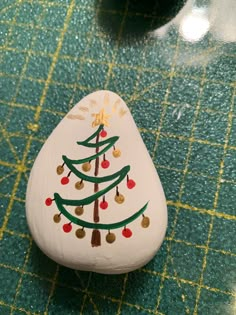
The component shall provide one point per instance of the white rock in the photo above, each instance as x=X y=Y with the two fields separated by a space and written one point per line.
x=60 y=240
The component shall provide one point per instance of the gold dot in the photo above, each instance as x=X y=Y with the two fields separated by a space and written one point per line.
x=21 y=168
x=79 y=185
x=119 y=198
x=145 y=222
x=79 y=210
x=110 y=238
x=60 y=169
x=116 y=153
x=80 y=233
x=57 y=218
x=33 y=127
x=86 y=167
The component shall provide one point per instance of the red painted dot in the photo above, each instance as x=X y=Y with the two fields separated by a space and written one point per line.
x=105 y=164
x=103 y=205
x=103 y=133
x=48 y=201
x=131 y=183
x=65 y=180
x=67 y=227
x=127 y=233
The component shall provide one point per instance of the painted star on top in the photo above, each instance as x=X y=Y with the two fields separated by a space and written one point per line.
x=101 y=118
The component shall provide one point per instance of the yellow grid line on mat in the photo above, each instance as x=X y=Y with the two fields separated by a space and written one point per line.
x=115 y=300
x=192 y=283
x=109 y=11
x=221 y=251
x=89 y=8
x=20 y=166
x=88 y=43
x=18 y=234
x=210 y=212
x=221 y=171
x=198 y=174
x=3 y=131
x=108 y=77
x=177 y=204
x=81 y=7
x=155 y=273
x=43 y=97
x=85 y=296
x=174 y=203
x=74 y=86
x=24 y=272
x=36 y=119
x=181 y=190
x=109 y=64
x=154 y=132
x=54 y=60
x=21 y=77
x=158 y=299
x=143 y=130
x=54 y=279
x=86 y=293
x=122 y=294
x=18 y=287
x=2 y=303
x=115 y=50
x=7 y=196
x=148 y=100
x=136 y=95
x=7 y=175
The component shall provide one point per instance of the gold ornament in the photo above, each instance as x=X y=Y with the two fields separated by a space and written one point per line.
x=145 y=222
x=110 y=238
x=86 y=167
x=116 y=153
x=60 y=169
x=57 y=218
x=80 y=233
x=79 y=210
x=79 y=185
x=119 y=198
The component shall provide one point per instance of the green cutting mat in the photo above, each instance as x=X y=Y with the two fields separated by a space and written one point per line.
x=179 y=86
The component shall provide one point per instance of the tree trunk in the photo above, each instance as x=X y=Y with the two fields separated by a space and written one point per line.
x=96 y=238
x=96 y=235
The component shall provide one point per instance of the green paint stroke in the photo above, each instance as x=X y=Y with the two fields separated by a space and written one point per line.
x=86 y=143
x=94 y=134
x=86 y=201
x=117 y=177
x=100 y=226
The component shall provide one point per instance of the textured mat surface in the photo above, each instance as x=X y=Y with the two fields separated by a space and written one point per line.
x=178 y=78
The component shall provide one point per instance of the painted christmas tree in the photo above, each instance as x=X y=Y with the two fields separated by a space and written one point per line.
x=99 y=144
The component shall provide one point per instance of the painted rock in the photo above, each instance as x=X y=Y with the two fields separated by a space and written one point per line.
x=94 y=200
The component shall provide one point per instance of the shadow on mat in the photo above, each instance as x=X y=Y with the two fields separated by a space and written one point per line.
x=75 y=290
x=142 y=16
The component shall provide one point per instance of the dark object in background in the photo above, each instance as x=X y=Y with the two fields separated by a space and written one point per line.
x=141 y=18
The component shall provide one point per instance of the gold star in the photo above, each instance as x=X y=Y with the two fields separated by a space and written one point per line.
x=101 y=118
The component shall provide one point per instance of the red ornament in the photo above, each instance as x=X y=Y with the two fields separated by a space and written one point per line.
x=48 y=201
x=131 y=183
x=103 y=133
x=105 y=164
x=65 y=180
x=127 y=233
x=67 y=227
x=103 y=204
